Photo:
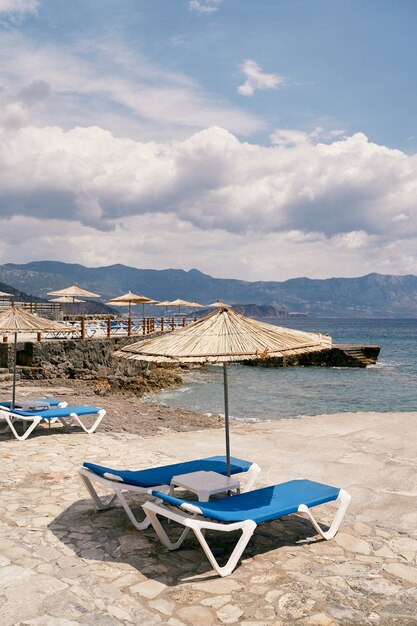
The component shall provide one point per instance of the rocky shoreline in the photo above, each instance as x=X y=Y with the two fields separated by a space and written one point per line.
x=126 y=412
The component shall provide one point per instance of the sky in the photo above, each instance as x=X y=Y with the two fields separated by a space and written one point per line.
x=260 y=140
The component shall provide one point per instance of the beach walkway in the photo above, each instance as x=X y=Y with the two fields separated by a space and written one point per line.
x=62 y=563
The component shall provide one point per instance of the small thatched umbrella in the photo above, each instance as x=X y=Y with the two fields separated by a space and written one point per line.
x=16 y=320
x=66 y=299
x=3 y=294
x=225 y=336
x=179 y=303
x=74 y=291
x=130 y=298
x=217 y=304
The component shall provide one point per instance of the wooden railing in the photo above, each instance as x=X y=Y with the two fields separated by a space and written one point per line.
x=111 y=327
x=34 y=307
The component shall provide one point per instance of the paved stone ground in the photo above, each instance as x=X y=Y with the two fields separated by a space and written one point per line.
x=63 y=564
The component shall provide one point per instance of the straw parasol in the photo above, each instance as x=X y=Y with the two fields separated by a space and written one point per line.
x=66 y=299
x=130 y=298
x=217 y=304
x=225 y=336
x=179 y=303
x=74 y=291
x=3 y=294
x=16 y=320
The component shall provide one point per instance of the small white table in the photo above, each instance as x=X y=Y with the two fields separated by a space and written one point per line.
x=204 y=484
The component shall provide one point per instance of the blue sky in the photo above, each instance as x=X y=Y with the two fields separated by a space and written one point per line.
x=262 y=140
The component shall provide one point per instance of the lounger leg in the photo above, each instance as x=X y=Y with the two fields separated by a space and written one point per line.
x=160 y=531
x=104 y=504
x=344 y=499
x=100 y=504
x=252 y=474
x=27 y=432
x=247 y=528
x=139 y=525
x=198 y=526
x=74 y=416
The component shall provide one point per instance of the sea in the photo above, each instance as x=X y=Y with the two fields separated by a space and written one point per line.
x=257 y=393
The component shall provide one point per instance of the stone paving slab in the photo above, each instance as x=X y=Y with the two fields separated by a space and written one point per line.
x=62 y=563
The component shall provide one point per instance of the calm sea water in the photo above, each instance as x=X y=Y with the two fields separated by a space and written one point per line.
x=258 y=393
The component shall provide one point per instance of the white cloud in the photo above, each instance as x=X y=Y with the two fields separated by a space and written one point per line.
x=210 y=180
x=106 y=84
x=13 y=12
x=161 y=241
x=19 y=7
x=287 y=137
x=257 y=79
x=204 y=6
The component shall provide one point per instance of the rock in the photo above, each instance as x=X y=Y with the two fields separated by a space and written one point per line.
x=405 y=547
x=218 y=586
x=48 y=620
x=400 y=570
x=197 y=615
x=294 y=606
x=298 y=563
x=320 y=619
x=374 y=586
x=353 y=544
x=348 y=616
x=273 y=595
x=148 y=589
x=119 y=613
x=186 y=595
x=217 y=601
x=385 y=552
x=265 y=612
x=229 y=614
x=163 y=606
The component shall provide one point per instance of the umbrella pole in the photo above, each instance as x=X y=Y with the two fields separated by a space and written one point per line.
x=14 y=370
x=226 y=418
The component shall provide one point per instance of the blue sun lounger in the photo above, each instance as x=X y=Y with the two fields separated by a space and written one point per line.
x=32 y=405
x=139 y=482
x=67 y=416
x=243 y=512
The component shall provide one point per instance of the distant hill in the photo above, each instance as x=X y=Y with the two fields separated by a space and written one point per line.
x=374 y=295
x=18 y=296
x=89 y=308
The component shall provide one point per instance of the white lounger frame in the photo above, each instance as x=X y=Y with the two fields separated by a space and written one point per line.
x=119 y=487
x=35 y=420
x=190 y=516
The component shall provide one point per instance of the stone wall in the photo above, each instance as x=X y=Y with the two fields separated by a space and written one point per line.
x=88 y=359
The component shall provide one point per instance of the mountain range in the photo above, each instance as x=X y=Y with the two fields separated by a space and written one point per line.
x=373 y=295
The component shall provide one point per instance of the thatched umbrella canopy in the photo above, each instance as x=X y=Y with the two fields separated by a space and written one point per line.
x=66 y=299
x=130 y=298
x=3 y=294
x=179 y=302
x=16 y=320
x=217 y=304
x=225 y=336
x=74 y=291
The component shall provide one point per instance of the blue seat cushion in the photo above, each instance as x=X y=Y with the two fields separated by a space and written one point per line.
x=262 y=505
x=163 y=475
x=49 y=401
x=59 y=412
